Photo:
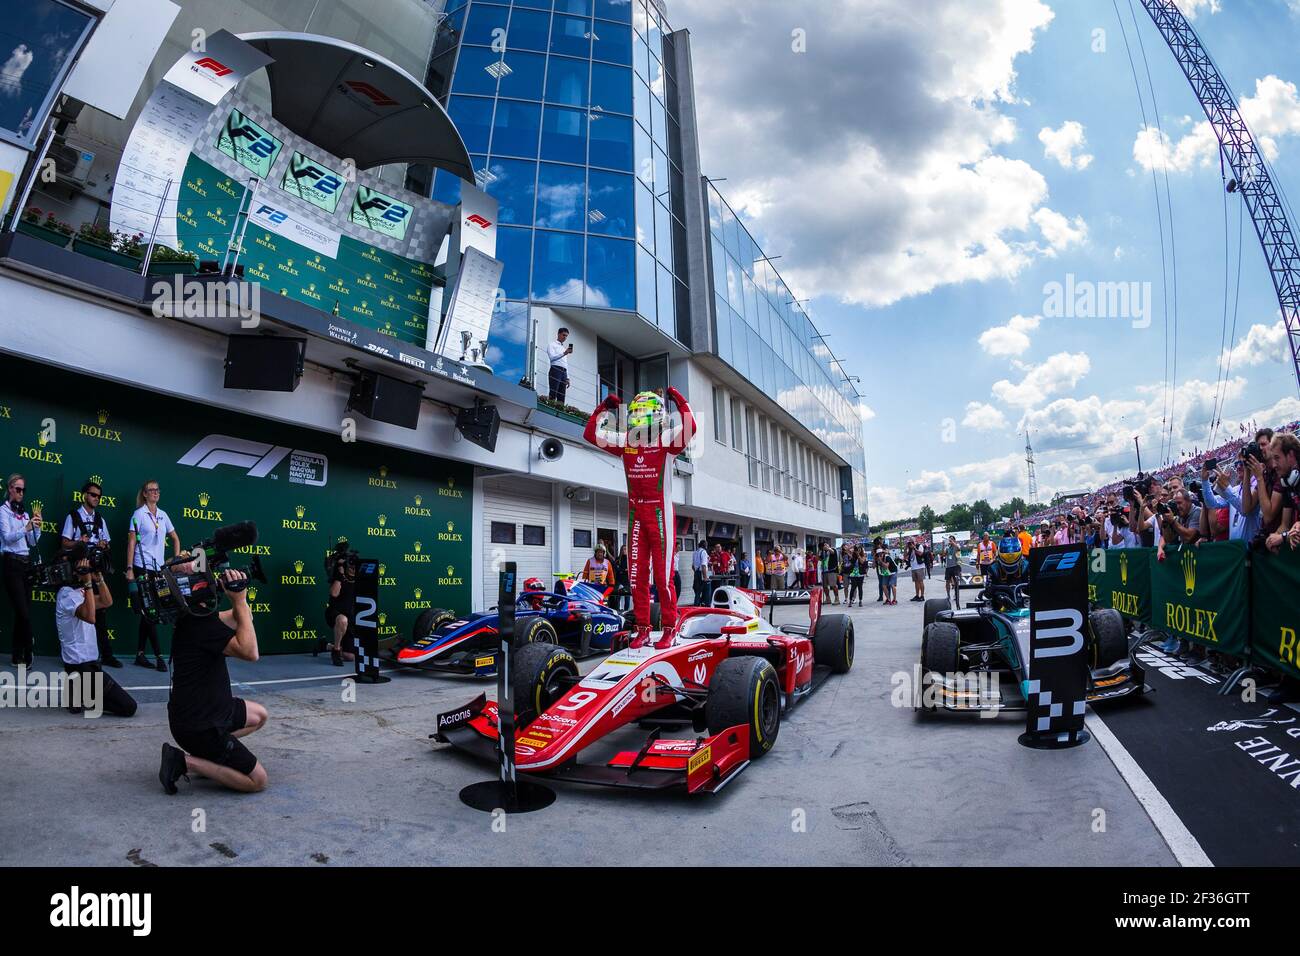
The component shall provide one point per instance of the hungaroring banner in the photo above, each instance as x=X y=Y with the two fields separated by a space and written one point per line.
x=1200 y=594
x=1120 y=578
x=1275 y=585
x=305 y=489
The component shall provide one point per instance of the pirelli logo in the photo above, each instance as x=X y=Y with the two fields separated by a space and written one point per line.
x=699 y=759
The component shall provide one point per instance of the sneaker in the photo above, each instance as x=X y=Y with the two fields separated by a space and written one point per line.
x=880 y=600
x=160 y=665
x=642 y=637
x=336 y=657
x=1170 y=646
x=141 y=660
x=172 y=767
x=112 y=661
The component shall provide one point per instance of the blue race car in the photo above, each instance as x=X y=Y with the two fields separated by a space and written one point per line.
x=575 y=616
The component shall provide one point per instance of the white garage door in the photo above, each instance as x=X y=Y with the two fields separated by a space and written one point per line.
x=518 y=507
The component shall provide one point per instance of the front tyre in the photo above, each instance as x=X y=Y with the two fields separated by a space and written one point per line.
x=1109 y=639
x=543 y=674
x=744 y=691
x=833 y=642
x=939 y=651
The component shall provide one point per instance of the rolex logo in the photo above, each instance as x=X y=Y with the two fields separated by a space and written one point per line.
x=299 y=510
x=451 y=569
x=298 y=620
x=297 y=567
x=419 y=499
x=383 y=520
x=41 y=439
x=1123 y=568
x=419 y=592
x=97 y=480
x=451 y=526
x=1189 y=572
x=252 y=594
x=383 y=618
x=204 y=498
x=102 y=415
x=418 y=546
x=383 y=568
x=36 y=505
x=383 y=471
x=311 y=286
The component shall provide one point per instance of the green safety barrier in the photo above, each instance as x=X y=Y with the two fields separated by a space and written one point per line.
x=1275 y=596
x=1200 y=594
x=1121 y=579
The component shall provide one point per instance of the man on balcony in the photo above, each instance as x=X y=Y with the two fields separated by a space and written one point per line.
x=559 y=354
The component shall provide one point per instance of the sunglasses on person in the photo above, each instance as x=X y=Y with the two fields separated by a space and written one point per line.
x=91 y=494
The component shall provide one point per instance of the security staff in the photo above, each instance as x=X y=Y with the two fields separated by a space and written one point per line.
x=87 y=525
x=19 y=532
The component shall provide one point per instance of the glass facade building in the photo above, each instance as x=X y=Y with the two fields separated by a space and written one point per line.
x=764 y=334
x=569 y=111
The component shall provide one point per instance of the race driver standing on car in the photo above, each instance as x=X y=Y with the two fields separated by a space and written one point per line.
x=648 y=448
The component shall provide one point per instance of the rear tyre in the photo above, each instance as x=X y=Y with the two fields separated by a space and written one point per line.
x=429 y=621
x=1109 y=639
x=543 y=674
x=939 y=644
x=932 y=608
x=833 y=642
x=536 y=630
x=744 y=691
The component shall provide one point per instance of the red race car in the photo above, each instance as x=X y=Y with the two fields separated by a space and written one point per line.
x=728 y=674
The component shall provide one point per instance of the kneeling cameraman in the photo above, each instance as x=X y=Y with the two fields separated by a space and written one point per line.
x=206 y=718
x=76 y=606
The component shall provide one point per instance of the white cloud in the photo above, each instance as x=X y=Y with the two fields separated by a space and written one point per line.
x=1191 y=8
x=11 y=74
x=1061 y=233
x=1272 y=113
x=1056 y=374
x=1065 y=145
x=930 y=481
x=866 y=412
x=1010 y=339
x=984 y=418
x=1261 y=345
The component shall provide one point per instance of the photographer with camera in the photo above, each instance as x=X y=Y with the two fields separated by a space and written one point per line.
x=145 y=551
x=19 y=533
x=341 y=569
x=86 y=525
x=206 y=719
x=78 y=605
x=1284 y=458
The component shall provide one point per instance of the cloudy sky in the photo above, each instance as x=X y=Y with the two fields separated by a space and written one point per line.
x=953 y=182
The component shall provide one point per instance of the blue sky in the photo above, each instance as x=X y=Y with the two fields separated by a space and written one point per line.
x=927 y=169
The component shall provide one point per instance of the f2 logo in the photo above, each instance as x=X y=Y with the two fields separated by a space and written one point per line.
x=259 y=146
x=322 y=181
x=273 y=214
x=218 y=68
x=388 y=211
x=1059 y=563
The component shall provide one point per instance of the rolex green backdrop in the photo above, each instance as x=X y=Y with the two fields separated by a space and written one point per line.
x=303 y=488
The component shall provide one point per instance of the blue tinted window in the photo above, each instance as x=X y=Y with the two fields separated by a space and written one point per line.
x=658 y=122
x=560 y=192
x=536 y=4
x=557 y=267
x=611 y=88
x=483 y=19
x=740 y=336
x=722 y=326
x=665 y=319
x=661 y=171
x=663 y=235
x=472 y=68
x=656 y=77
x=529 y=30
x=645 y=217
x=571 y=36
x=524 y=81
x=580 y=7
x=645 y=284
x=446 y=186
x=511 y=182
x=473 y=118
x=564 y=135
x=513 y=249
x=643 y=155
x=612 y=42
x=620 y=10
x=641 y=98
x=639 y=56
x=611 y=141
x=515 y=130
x=508 y=340
x=566 y=81
x=611 y=274
x=609 y=204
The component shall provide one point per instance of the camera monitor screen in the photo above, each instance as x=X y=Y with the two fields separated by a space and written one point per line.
x=248 y=144
x=313 y=181
x=383 y=214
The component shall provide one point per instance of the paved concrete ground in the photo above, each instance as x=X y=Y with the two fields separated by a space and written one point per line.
x=362 y=784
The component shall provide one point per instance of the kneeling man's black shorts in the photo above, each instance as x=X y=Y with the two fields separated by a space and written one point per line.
x=217 y=744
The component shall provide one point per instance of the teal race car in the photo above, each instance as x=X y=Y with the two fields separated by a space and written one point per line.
x=973 y=658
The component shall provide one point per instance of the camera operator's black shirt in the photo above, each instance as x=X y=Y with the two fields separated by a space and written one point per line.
x=201 y=697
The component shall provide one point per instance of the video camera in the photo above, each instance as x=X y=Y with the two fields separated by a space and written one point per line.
x=1142 y=484
x=190 y=584
x=63 y=571
x=342 y=561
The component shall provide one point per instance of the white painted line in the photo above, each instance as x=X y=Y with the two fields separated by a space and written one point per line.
x=1181 y=843
x=254 y=683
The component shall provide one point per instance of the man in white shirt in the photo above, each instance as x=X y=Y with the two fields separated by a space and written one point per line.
x=146 y=550
x=75 y=610
x=700 y=565
x=87 y=525
x=559 y=354
x=19 y=532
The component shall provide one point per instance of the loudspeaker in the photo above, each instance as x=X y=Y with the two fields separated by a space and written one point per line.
x=385 y=399
x=479 y=424
x=267 y=363
x=552 y=450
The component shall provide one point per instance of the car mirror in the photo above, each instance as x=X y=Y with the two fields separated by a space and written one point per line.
x=735 y=630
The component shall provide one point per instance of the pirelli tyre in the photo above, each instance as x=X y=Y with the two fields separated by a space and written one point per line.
x=744 y=691
x=429 y=621
x=536 y=630
x=939 y=644
x=543 y=674
x=1109 y=637
x=932 y=608
x=833 y=642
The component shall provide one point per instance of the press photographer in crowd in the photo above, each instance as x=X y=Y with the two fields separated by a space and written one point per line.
x=206 y=719
x=86 y=525
x=81 y=598
x=19 y=532
x=146 y=546
x=340 y=612
x=1284 y=501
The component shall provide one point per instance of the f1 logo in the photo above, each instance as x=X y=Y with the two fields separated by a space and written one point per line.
x=207 y=63
x=376 y=96
x=273 y=214
x=479 y=221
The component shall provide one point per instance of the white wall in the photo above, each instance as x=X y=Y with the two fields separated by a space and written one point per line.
x=583 y=378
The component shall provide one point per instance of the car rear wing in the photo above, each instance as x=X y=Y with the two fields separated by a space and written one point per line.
x=772 y=599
